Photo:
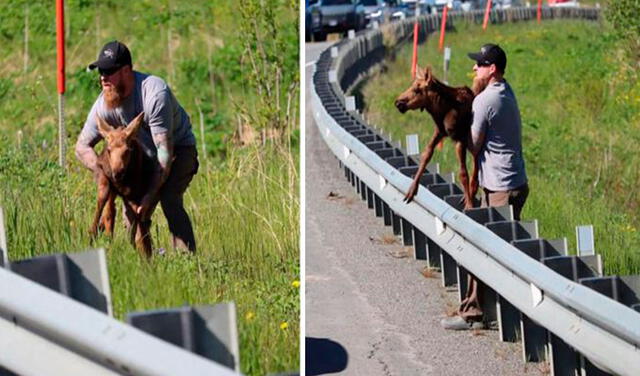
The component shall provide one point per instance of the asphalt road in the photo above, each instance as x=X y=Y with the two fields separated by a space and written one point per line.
x=369 y=310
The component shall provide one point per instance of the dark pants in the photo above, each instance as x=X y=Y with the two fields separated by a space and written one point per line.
x=184 y=166
x=471 y=307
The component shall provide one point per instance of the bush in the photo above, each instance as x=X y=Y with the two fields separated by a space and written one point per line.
x=624 y=16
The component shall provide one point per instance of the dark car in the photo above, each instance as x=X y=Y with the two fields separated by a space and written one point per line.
x=308 y=6
x=336 y=16
x=375 y=11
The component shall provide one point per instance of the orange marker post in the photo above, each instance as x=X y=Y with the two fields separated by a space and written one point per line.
x=443 y=27
x=414 y=60
x=539 y=11
x=61 y=80
x=486 y=15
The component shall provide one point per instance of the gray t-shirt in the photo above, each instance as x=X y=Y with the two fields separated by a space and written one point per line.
x=162 y=113
x=496 y=113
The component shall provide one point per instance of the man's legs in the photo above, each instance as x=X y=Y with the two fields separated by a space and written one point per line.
x=184 y=166
x=471 y=306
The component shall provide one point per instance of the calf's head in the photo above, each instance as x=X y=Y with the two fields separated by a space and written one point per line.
x=420 y=94
x=119 y=144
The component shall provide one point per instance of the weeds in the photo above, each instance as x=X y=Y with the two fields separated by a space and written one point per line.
x=244 y=203
x=578 y=110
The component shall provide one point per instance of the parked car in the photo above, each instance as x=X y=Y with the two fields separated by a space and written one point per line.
x=308 y=5
x=336 y=16
x=407 y=8
x=455 y=5
x=375 y=10
x=564 y=3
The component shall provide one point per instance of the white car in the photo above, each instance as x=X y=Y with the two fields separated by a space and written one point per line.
x=564 y=4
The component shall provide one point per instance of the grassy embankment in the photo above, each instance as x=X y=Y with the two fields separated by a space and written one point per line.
x=243 y=202
x=580 y=106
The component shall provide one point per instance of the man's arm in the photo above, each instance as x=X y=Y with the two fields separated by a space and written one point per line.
x=164 y=148
x=478 y=127
x=476 y=140
x=160 y=124
x=89 y=137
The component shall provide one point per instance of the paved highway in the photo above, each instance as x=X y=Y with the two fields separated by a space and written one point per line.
x=369 y=310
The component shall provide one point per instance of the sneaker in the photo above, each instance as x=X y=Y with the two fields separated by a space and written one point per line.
x=458 y=323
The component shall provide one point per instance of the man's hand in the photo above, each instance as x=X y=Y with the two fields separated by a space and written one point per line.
x=412 y=192
x=145 y=209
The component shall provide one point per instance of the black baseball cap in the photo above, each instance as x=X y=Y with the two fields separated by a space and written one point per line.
x=113 y=56
x=490 y=54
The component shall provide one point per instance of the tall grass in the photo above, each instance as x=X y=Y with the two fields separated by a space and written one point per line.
x=245 y=216
x=244 y=202
x=579 y=114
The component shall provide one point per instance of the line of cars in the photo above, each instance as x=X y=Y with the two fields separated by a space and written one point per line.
x=339 y=16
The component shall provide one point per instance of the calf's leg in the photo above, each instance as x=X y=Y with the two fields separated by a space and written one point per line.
x=424 y=160
x=103 y=196
x=461 y=154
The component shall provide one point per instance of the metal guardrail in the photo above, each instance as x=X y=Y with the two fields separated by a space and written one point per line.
x=55 y=319
x=578 y=326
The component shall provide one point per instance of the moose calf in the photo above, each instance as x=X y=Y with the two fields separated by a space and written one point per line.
x=450 y=108
x=125 y=171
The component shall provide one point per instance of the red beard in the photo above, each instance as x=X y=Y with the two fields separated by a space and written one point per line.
x=479 y=84
x=113 y=96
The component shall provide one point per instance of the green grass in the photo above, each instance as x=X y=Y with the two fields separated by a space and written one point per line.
x=244 y=202
x=580 y=106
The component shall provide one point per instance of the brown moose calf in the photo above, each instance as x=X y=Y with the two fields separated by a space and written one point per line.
x=125 y=171
x=450 y=108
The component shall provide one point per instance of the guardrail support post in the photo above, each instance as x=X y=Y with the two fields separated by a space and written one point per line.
x=395 y=222
x=82 y=276
x=508 y=315
x=209 y=331
x=534 y=336
x=4 y=256
x=377 y=201
x=419 y=245
x=407 y=229
x=386 y=214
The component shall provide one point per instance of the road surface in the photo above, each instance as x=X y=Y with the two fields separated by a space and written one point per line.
x=369 y=310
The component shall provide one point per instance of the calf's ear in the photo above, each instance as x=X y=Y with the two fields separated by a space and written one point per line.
x=134 y=125
x=103 y=127
x=419 y=72
x=428 y=73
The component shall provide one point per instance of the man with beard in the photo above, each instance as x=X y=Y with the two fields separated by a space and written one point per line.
x=496 y=138
x=165 y=136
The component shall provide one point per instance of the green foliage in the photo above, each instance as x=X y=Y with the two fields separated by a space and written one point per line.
x=624 y=16
x=270 y=52
x=243 y=202
x=579 y=116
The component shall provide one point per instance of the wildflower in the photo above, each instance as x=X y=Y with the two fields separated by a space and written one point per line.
x=284 y=325
x=295 y=283
x=249 y=316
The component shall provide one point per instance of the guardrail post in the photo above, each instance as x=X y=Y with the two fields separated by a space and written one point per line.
x=350 y=104
x=508 y=315
x=363 y=191
x=82 y=276
x=377 y=201
x=534 y=336
x=396 y=223
x=564 y=360
x=386 y=214
x=412 y=145
x=4 y=256
x=209 y=331
x=448 y=266
x=370 y=198
x=407 y=232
